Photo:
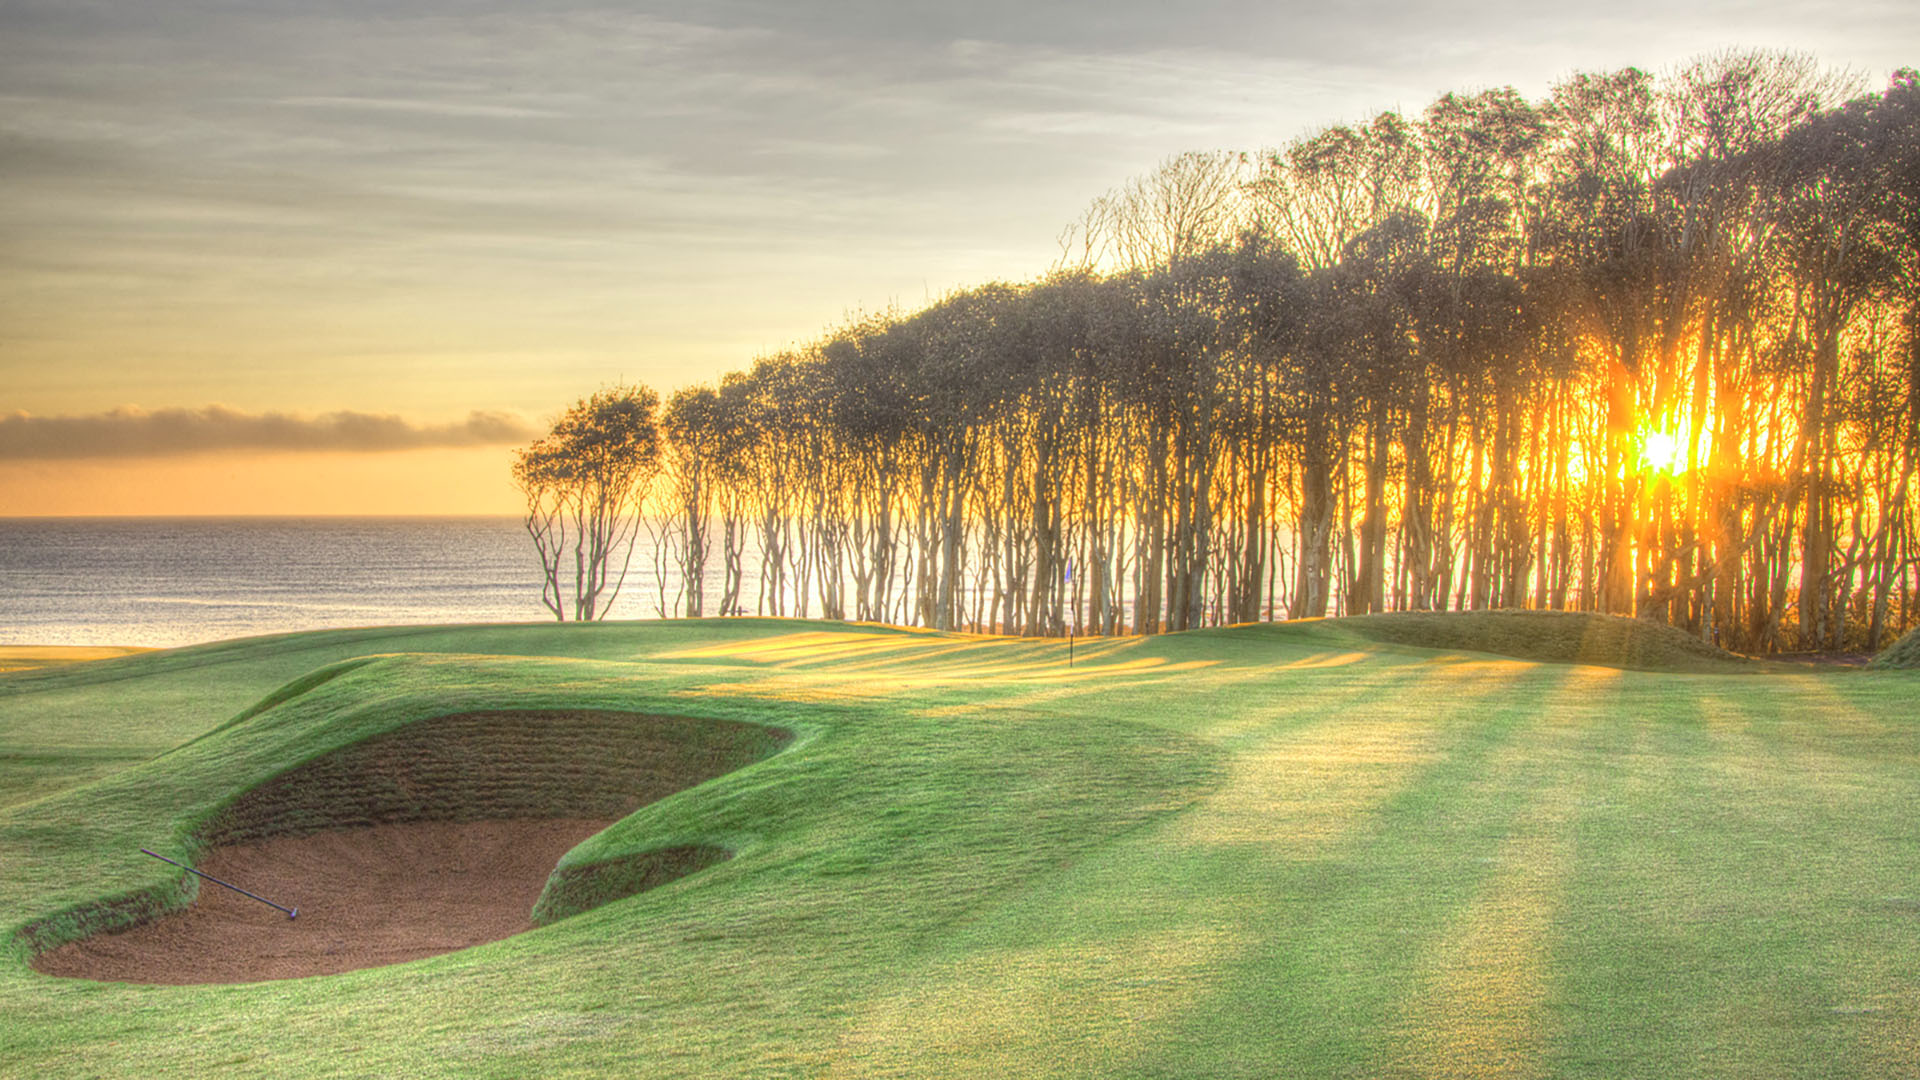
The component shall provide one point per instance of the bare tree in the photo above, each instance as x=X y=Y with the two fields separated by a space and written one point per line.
x=585 y=482
x=1189 y=203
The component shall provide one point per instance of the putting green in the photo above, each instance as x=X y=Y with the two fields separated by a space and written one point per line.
x=1260 y=851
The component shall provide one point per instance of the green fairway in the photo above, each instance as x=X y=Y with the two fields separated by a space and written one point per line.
x=1266 y=851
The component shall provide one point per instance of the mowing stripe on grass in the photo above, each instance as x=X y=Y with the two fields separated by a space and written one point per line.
x=1338 y=946
x=1067 y=1009
x=1229 y=899
x=1306 y=793
x=1720 y=917
x=1149 y=917
x=1481 y=1004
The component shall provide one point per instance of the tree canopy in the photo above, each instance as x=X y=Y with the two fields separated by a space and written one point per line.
x=1648 y=346
x=585 y=483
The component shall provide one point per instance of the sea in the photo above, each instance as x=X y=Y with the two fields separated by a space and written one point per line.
x=164 y=582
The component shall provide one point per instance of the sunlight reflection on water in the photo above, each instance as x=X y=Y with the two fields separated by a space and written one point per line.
x=176 y=581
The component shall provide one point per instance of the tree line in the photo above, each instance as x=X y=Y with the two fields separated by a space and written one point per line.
x=1649 y=346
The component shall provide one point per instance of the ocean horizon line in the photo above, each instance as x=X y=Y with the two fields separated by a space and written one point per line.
x=261 y=517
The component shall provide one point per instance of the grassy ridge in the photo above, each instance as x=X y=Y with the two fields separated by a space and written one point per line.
x=60 y=726
x=1261 y=851
x=1560 y=637
x=1902 y=655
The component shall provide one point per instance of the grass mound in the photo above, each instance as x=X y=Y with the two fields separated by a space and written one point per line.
x=574 y=888
x=1901 y=655
x=1568 y=637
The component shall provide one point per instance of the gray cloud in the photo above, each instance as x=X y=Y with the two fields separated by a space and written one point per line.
x=666 y=184
x=131 y=432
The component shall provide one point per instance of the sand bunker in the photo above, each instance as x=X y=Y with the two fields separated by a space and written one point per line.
x=368 y=896
x=435 y=837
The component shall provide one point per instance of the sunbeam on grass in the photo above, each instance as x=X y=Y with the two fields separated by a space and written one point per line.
x=1253 y=852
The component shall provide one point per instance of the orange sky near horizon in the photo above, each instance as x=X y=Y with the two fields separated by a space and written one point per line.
x=439 y=481
x=250 y=246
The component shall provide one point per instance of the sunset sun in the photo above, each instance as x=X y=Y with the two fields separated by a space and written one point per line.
x=1660 y=452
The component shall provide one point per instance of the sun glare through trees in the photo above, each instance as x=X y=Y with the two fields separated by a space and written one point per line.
x=1649 y=346
x=1660 y=453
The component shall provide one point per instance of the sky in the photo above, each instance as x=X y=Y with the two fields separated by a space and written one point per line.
x=341 y=256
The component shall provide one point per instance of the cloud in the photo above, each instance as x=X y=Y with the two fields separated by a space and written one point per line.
x=431 y=108
x=357 y=186
x=133 y=432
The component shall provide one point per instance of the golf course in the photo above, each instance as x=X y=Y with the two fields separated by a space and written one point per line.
x=1499 y=845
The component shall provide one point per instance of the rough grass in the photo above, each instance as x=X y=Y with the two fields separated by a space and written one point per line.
x=1560 y=637
x=1901 y=655
x=1265 y=851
